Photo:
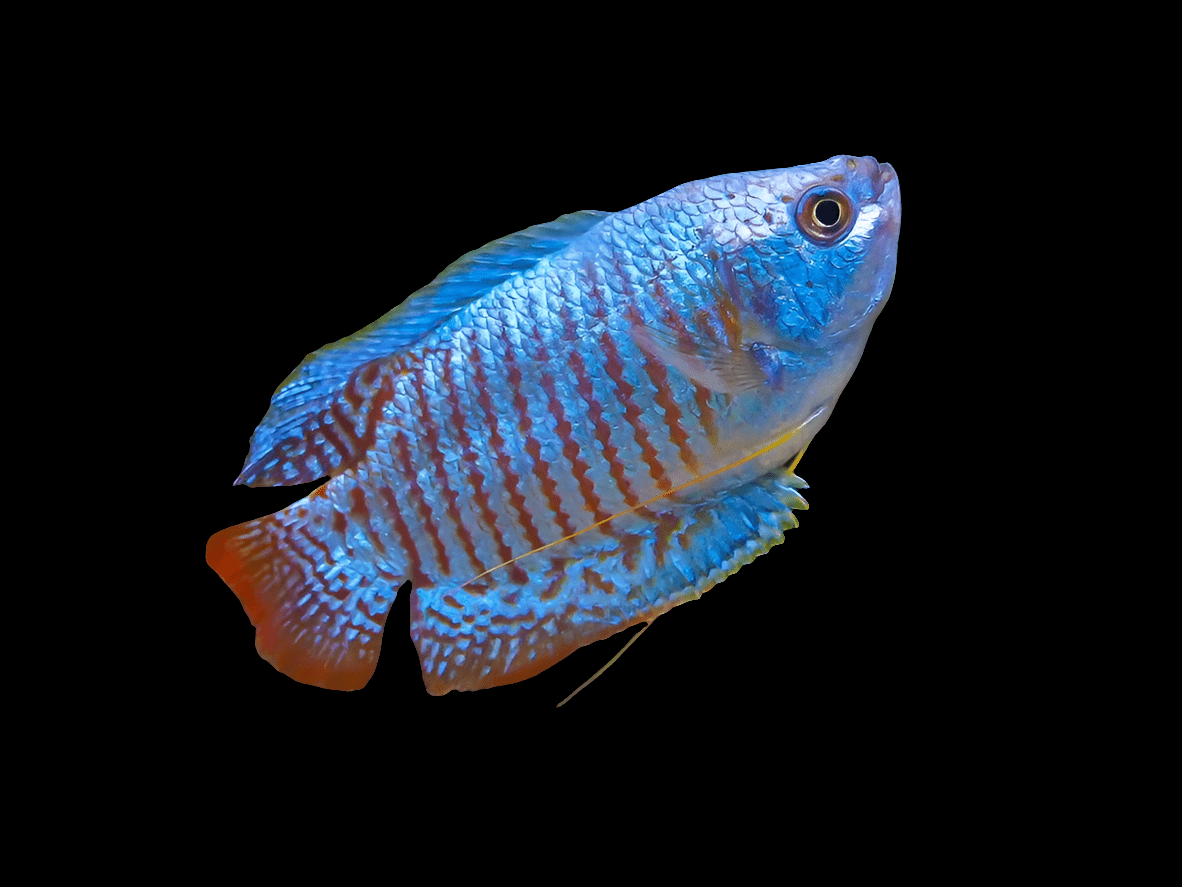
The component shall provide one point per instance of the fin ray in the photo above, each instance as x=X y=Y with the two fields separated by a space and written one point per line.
x=711 y=364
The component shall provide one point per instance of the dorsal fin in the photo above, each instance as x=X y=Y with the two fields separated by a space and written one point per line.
x=289 y=446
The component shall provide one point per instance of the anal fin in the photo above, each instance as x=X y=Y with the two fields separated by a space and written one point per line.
x=630 y=569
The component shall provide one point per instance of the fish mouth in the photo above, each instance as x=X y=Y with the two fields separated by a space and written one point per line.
x=879 y=175
x=874 y=280
x=885 y=182
x=883 y=190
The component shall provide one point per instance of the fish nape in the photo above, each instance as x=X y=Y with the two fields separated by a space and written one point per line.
x=568 y=432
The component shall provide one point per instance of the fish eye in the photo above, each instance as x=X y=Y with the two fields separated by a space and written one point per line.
x=824 y=215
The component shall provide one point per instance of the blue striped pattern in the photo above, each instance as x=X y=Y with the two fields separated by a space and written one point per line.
x=562 y=437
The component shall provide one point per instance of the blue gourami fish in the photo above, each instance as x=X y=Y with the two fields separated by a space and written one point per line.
x=569 y=431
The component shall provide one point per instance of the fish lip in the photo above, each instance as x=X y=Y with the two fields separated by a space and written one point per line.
x=878 y=175
x=882 y=175
x=873 y=171
x=884 y=183
x=888 y=181
x=886 y=194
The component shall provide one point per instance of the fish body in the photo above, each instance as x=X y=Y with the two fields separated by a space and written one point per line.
x=568 y=432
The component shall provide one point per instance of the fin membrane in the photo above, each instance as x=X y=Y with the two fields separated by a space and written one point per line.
x=711 y=364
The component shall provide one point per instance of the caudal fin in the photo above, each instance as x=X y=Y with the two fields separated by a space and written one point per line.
x=318 y=604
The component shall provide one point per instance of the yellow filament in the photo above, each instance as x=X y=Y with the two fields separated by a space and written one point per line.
x=610 y=663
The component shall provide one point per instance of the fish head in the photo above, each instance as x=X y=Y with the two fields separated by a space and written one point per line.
x=807 y=257
x=831 y=249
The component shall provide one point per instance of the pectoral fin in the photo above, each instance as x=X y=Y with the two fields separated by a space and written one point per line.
x=711 y=364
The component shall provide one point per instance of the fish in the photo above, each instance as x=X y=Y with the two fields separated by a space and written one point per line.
x=568 y=432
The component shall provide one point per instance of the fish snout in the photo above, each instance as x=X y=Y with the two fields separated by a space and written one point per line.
x=888 y=195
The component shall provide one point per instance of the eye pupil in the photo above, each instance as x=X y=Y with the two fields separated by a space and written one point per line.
x=827 y=213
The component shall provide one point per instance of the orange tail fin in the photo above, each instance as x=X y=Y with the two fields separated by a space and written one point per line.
x=318 y=620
